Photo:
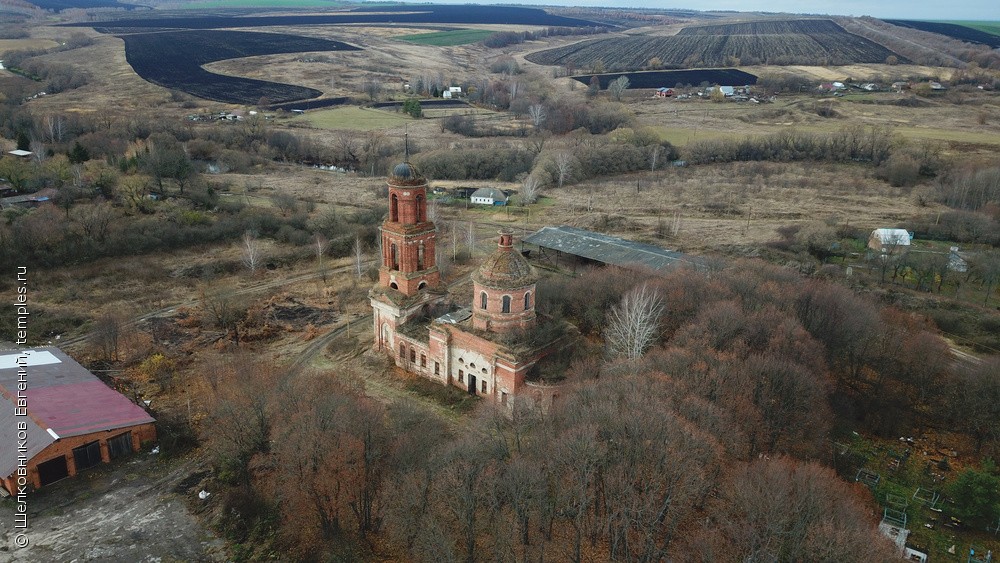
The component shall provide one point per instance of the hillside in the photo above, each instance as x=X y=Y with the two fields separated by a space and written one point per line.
x=781 y=42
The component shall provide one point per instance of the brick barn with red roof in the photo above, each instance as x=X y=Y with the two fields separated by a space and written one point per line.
x=57 y=418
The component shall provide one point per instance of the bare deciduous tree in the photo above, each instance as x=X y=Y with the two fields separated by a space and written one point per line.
x=634 y=325
x=108 y=334
x=251 y=252
x=531 y=189
x=618 y=87
x=537 y=114
x=564 y=166
x=372 y=88
x=359 y=255
x=320 y=244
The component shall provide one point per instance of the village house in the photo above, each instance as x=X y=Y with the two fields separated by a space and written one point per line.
x=471 y=343
x=72 y=420
x=488 y=196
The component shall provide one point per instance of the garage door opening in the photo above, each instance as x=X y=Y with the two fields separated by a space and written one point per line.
x=87 y=456
x=52 y=470
x=120 y=445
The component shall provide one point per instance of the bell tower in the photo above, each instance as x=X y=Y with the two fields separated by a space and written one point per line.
x=408 y=238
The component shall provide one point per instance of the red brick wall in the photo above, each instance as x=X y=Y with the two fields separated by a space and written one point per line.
x=493 y=318
x=141 y=434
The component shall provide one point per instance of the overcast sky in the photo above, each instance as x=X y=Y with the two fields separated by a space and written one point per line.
x=901 y=9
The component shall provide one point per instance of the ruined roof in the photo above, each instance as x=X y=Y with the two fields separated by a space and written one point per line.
x=505 y=269
x=405 y=174
x=608 y=249
x=63 y=400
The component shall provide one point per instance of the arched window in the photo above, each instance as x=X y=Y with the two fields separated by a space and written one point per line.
x=393 y=285
x=421 y=285
x=421 y=209
x=527 y=301
x=393 y=256
x=393 y=208
x=420 y=256
x=505 y=304
x=483 y=300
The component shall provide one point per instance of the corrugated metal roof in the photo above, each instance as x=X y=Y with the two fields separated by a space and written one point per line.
x=608 y=249
x=62 y=396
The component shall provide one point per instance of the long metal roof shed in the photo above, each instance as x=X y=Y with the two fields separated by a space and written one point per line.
x=63 y=400
x=610 y=250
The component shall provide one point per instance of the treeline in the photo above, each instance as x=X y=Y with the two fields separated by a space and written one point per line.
x=58 y=77
x=509 y=162
x=502 y=39
x=692 y=448
x=852 y=144
x=90 y=227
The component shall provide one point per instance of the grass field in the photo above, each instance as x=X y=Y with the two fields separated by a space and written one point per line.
x=359 y=119
x=8 y=45
x=212 y=4
x=986 y=26
x=448 y=38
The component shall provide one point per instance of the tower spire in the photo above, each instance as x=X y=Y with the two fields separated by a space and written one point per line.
x=406 y=144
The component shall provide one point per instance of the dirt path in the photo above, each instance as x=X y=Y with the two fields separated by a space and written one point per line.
x=129 y=511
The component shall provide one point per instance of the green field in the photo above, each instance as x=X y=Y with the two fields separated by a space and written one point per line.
x=356 y=118
x=987 y=26
x=448 y=38
x=213 y=4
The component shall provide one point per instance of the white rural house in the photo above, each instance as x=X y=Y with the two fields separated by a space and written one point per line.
x=489 y=196
x=889 y=241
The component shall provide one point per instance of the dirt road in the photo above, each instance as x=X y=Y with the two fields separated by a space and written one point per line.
x=130 y=511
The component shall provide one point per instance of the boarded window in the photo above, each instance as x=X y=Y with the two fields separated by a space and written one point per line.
x=505 y=304
x=437 y=368
x=484 y=387
x=423 y=361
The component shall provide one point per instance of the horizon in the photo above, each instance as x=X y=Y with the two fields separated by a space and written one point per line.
x=968 y=10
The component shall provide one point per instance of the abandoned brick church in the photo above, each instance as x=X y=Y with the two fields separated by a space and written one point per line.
x=468 y=347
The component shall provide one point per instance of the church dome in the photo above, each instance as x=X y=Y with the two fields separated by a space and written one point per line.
x=505 y=268
x=405 y=173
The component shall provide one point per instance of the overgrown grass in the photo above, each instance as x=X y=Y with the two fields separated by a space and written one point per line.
x=448 y=38
x=356 y=118
x=447 y=396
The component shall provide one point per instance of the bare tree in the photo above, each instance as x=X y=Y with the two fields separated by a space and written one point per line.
x=373 y=88
x=564 y=165
x=251 y=251
x=320 y=244
x=359 y=254
x=537 y=114
x=634 y=325
x=618 y=87
x=55 y=128
x=531 y=189
x=108 y=334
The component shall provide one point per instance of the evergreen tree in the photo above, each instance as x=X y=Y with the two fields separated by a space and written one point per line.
x=23 y=141
x=79 y=154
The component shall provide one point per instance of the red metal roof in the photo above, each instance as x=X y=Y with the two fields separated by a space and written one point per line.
x=82 y=408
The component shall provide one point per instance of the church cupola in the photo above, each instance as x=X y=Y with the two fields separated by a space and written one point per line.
x=504 y=289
